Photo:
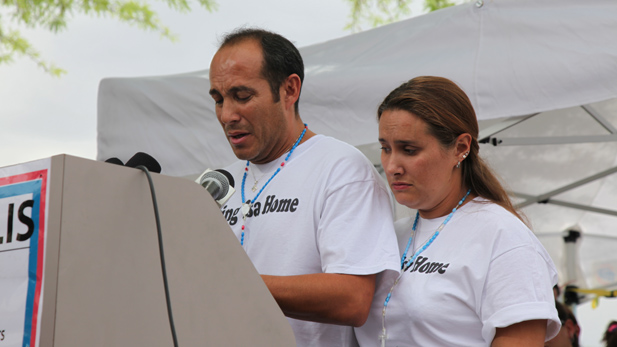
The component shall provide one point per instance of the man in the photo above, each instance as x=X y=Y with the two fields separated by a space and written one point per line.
x=570 y=330
x=312 y=213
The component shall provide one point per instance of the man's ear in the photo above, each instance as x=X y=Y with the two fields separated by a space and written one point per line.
x=290 y=90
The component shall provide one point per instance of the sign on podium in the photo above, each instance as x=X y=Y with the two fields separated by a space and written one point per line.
x=80 y=262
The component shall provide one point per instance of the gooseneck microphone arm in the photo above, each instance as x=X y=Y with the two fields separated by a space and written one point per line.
x=162 y=253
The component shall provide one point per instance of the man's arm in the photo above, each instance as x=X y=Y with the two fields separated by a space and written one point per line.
x=324 y=297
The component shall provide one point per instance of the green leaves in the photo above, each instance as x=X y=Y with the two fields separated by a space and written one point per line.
x=376 y=12
x=434 y=5
x=12 y=43
x=53 y=15
x=379 y=12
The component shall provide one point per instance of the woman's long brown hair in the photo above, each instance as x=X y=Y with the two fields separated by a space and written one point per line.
x=448 y=112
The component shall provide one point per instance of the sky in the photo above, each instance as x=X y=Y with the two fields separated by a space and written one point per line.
x=42 y=116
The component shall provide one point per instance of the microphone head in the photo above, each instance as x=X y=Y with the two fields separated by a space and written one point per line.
x=219 y=184
x=229 y=177
x=114 y=160
x=216 y=183
x=141 y=158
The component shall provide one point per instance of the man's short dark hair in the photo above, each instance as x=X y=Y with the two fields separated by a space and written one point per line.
x=280 y=57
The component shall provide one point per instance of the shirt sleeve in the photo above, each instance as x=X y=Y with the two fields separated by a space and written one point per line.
x=356 y=231
x=518 y=288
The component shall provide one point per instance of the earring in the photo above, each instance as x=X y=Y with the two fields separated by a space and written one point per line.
x=464 y=156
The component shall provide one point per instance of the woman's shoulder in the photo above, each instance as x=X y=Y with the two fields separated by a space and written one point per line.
x=498 y=229
x=489 y=218
x=490 y=212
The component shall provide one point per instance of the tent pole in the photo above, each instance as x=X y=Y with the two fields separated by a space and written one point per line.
x=595 y=115
x=571 y=298
x=546 y=196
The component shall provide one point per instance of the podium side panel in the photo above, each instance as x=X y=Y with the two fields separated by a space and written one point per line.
x=240 y=311
x=52 y=251
x=110 y=286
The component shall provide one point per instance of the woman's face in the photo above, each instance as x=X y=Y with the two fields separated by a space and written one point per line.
x=420 y=171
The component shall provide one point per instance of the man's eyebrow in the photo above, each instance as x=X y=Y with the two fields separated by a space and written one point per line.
x=241 y=89
x=233 y=90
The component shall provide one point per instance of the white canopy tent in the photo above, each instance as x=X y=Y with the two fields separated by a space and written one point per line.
x=542 y=76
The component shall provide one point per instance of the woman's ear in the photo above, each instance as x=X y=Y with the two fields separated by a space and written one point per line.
x=463 y=145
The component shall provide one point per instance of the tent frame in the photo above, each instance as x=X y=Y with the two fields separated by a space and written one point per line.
x=488 y=135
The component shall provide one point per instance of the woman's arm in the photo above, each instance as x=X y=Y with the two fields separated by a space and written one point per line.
x=527 y=333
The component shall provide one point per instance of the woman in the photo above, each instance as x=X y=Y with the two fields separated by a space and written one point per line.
x=472 y=274
x=610 y=335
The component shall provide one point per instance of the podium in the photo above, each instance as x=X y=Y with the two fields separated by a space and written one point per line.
x=103 y=284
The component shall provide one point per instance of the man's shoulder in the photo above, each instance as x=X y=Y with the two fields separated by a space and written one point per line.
x=340 y=161
x=331 y=148
x=325 y=140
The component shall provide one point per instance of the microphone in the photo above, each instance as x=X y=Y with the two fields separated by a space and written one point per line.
x=115 y=160
x=219 y=183
x=141 y=158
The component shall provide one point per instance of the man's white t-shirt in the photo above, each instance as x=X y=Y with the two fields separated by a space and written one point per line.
x=484 y=270
x=326 y=211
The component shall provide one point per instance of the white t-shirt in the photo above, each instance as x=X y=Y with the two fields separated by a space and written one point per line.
x=484 y=270
x=326 y=211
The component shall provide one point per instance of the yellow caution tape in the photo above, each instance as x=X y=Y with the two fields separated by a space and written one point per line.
x=598 y=292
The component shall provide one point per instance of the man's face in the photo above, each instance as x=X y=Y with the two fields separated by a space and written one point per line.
x=254 y=124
